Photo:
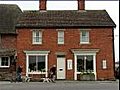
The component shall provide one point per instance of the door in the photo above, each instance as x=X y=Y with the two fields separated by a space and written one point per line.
x=60 y=68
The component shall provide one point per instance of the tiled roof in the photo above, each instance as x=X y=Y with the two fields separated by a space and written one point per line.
x=7 y=52
x=70 y=18
x=8 y=17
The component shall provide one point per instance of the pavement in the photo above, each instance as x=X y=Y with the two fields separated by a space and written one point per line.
x=64 y=81
x=61 y=85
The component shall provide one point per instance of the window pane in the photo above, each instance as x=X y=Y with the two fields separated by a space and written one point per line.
x=37 y=37
x=4 y=61
x=32 y=63
x=60 y=33
x=60 y=37
x=41 y=63
x=36 y=63
x=37 y=33
x=84 y=63
x=84 y=36
x=80 y=63
x=89 y=62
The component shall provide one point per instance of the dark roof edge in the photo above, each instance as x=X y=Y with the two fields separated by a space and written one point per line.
x=9 y=33
x=111 y=19
x=65 y=27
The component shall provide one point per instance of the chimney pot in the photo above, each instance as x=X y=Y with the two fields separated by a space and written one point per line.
x=81 y=4
x=42 y=4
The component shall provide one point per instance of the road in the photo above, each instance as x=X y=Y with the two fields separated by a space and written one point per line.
x=62 y=85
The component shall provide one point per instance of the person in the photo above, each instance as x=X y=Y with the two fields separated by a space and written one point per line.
x=19 y=71
x=53 y=73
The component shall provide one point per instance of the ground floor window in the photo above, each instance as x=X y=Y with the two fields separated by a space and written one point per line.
x=85 y=63
x=36 y=63
x=4 y=62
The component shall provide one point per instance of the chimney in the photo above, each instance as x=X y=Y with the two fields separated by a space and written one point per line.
x=81 y=4
x=42 y=4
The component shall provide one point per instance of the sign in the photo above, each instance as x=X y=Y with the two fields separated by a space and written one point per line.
x=69 y=64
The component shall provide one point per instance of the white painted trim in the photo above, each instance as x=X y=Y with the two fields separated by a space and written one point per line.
x=84 y=29
x=78 y=51
x=35 y=53
x=36 y=72
x=75 y=74
x=8 y=62
x=59 y=37
x=84 y=53
x=34 y=35
x=94 y=66
x=27 y=65
x=46 y=65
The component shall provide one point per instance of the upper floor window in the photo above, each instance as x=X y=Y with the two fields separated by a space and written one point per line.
x=37 y=37
x=84 y=37
x=4 y=62
x=60 y=37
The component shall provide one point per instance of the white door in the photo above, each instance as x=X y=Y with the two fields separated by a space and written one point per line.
x=60 y=68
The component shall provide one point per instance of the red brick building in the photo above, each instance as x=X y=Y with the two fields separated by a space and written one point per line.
x=76 y=41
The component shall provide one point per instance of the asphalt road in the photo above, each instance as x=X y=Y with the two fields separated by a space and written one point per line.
x=62 y=85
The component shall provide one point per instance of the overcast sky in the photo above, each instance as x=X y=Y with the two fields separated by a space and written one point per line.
x=112 y=7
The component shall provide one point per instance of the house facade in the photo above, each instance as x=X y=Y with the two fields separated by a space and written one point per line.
x=8 y=39
x=76 y=41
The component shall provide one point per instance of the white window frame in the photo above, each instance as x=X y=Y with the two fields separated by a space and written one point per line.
x=86 y=37
x=35 y=61
x=34 y=37
x=85 y=52
x=86 y=62
x=8 y=62
x=60 y=36
x=37 y=53
x=104 y=64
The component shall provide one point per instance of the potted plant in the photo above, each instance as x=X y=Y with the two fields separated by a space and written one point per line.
x=87 y=76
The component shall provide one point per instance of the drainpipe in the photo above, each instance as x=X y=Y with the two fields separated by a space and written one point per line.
x=113 y=51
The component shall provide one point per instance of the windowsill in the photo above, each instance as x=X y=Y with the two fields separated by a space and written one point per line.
x=84 y=72
x=60 y=43
x=36 y=43
x=4 y=66
x=36 y=72
x=85 y=43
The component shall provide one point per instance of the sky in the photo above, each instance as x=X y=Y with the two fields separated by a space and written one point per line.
x=112 y=7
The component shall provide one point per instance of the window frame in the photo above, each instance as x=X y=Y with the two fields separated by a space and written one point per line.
x=34 y=37
x=7 y=60
x=85 y=59
x=32 y=53
x=82 y=38
x=36 y=62
x=61 y=37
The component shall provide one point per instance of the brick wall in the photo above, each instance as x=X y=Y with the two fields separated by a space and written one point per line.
x=100 y=38
x=8 y=41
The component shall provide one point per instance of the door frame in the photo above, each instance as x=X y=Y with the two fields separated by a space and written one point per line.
x=64 y=68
